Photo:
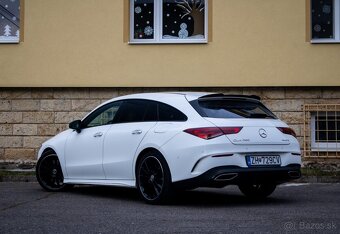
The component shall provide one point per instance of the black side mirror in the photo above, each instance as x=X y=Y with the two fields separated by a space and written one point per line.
x=76 y=125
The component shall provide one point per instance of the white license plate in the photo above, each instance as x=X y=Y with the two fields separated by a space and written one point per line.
x=263 y=160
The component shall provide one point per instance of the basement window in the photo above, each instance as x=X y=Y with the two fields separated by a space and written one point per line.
x=9 y=21
x=168 y=21
x=325 y=21
x=325 y=126
x=322 y=130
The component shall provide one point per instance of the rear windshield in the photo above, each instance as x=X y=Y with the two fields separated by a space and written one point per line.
x=230 y=108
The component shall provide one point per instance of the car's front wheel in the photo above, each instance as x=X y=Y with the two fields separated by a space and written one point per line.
x=257 y=191
x=153 y=178
x=49 y=173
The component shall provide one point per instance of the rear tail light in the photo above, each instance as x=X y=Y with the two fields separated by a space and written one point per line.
x=230 y=130
x=212 y=132
x=288 y=131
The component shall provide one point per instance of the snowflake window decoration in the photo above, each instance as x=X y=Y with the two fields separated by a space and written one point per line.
x=148 y=31
x=138 y=10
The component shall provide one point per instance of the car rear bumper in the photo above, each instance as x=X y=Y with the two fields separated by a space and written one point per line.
x=227 y=175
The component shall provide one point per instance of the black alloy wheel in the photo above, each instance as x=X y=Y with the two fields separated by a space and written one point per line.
x=49 y=173
x=153 y=178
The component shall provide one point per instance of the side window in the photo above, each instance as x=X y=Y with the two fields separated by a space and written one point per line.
x=103 y=116
x=169 y=113
x=137 y=111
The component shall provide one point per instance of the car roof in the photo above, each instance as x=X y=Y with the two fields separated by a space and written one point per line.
x=165 y=95
x=190 y=96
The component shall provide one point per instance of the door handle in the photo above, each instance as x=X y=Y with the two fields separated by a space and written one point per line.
x=137 y=132
x=98 y=134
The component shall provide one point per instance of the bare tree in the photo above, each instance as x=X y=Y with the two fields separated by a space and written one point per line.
x=194 y=8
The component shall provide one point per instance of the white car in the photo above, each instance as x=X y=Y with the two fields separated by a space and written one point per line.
x=161 y=142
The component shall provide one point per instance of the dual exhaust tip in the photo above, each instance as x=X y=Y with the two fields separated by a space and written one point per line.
x=226 y=177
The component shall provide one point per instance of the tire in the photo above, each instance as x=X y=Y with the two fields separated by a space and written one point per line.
x=153 y=178
x=49 y=173
x=257 y=191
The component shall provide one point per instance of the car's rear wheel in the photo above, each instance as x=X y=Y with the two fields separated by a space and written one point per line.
x=49 y=173
x=257 y=191
x=153 y=178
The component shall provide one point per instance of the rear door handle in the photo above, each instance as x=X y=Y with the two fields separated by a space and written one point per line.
x=98 y=134
x=137 y=132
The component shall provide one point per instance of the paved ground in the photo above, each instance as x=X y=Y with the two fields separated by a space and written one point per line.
x=309 y=208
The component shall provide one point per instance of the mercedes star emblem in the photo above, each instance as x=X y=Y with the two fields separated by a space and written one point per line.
x=262 y=133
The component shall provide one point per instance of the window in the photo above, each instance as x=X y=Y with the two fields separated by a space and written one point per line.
x=229 y=108
x=168 y=21
x=9 y=21
x=137 y=111
x=169 y=113
x=325 y=21
x=102 y=116
x=325 y=126
x=321 y=137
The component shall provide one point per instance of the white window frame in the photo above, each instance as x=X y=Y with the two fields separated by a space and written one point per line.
x=158 y=27
x=336 y=25
x=12 y=39
x=324 y=146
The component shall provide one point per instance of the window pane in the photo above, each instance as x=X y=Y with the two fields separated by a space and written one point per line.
x=227 y=109
x=327 y=127
x=183 y=19
x=131 y=111
x=103 y=116
x=168 y=113
x=143 y=19
x=322 y=19
x=9 y=20
x=151 y=111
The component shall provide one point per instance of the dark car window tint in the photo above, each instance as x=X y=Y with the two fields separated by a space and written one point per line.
x=137 y=111
x=151 y=111
x=169 y=113
x=229 y=108
x=102 y=116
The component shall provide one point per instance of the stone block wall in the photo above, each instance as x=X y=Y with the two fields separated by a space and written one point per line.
x=29 y=116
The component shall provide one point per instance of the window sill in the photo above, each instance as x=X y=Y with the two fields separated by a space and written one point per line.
x=324 y=41
x=168 y=42
x=323 y=149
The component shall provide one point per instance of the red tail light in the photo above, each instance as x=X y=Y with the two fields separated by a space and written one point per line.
x=288 y=131
x=212 y=132
x=230 y=130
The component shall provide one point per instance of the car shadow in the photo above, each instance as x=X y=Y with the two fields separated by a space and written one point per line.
x=197 y=197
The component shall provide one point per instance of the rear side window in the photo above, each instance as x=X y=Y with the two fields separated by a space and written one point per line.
x=137 y=111
x=231 y=108
x=169 y=113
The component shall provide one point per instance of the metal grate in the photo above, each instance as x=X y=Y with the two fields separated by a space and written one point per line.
x=321 y=135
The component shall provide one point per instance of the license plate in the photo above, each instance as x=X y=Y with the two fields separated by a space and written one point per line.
x=263 y=160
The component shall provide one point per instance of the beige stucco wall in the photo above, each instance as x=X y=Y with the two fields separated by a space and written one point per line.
x=79 y=43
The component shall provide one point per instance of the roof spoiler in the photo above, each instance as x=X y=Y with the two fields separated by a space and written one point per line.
x=221 y=95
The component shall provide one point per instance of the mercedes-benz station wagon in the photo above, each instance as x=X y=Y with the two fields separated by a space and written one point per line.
x=163 y=142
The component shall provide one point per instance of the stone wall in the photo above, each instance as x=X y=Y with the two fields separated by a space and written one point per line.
x=29 y=116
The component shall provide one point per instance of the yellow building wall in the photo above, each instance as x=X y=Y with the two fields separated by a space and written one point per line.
x=79 y=43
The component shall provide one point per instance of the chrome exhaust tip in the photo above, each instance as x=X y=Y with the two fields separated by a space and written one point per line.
x=226 y=177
